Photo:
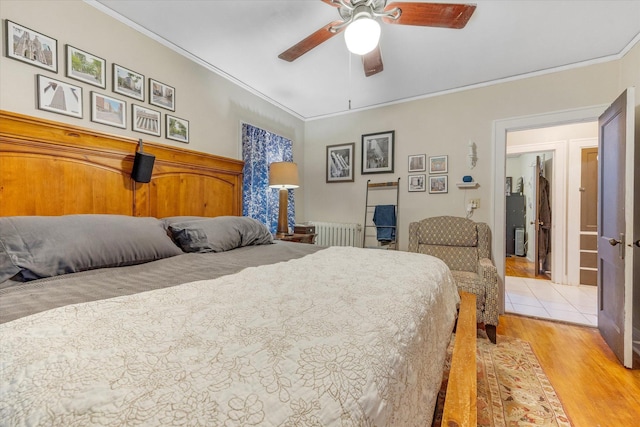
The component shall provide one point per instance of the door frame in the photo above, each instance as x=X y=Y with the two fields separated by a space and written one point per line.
x=573 y=202
x=499 y=136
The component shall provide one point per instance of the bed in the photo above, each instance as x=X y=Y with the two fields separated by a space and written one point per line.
x=191 y=314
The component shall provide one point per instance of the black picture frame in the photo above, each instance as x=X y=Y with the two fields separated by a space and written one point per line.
x=45 y=57
x=176 y=129
x=86 y=67
x=128 y=82
x=339 y=162
x=145 y=120
x=108 y=111
x=162 y=95
x=377 y=152
x=59 y=97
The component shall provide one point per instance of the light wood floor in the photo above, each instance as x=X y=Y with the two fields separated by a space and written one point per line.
x=521 y=267
x=595 y=389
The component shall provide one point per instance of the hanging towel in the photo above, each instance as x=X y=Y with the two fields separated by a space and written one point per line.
x=384 y=217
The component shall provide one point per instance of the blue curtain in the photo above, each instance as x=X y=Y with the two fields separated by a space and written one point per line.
x=259 y=149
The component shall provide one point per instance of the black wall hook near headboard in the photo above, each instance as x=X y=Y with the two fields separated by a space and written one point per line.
x=142 y=165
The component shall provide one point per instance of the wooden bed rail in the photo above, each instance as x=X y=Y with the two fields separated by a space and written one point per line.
x=460 y=406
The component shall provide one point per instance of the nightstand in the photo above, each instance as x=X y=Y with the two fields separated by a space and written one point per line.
x=298 y=238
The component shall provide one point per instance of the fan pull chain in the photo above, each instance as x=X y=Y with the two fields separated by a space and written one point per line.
x=349 y=56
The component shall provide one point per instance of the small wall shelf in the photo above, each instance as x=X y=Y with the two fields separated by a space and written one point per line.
x=467 y=185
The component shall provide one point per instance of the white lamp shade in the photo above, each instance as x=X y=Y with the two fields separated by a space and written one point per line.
x=283 y=175
x=362 y=35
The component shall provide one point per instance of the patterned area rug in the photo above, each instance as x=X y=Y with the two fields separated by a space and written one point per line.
x=513 y=390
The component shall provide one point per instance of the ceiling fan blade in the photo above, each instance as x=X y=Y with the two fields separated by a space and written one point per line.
x=315 y=39
x=334 y=3
x=372 y=62
x=447 y=15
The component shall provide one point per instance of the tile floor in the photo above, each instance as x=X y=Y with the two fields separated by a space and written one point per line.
x=543 y=299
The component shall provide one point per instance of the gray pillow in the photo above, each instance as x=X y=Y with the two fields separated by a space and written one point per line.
x=170 y=220
x=43 y=246
x=219 y=234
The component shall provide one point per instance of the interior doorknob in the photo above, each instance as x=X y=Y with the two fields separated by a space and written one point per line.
x=637 y=243
x=614 y=242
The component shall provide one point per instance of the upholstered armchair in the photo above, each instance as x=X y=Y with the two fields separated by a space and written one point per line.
x=463 y=245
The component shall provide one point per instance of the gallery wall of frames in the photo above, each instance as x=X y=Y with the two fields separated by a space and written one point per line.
x=122 y=97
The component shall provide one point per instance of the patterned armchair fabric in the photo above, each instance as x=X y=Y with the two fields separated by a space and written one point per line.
x=464 y=245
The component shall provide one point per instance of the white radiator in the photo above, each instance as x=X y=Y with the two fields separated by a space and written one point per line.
x=337 y=234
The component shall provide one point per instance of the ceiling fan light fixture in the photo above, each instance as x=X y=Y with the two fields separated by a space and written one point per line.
x=362 y=35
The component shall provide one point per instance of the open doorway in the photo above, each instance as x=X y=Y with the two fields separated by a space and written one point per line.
x=542 y=250
x=528 y=230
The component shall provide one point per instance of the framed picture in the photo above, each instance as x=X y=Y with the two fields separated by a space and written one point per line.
x=86 y=67
x=162 y=95
x=377 y=152
x=108 y=111
x=31 y=47
x=340 y=162
x=59 y=97
x=417 y=182
x=438 y=164
x=507 y=185
x=438 y=184
x=145 y=120
x=417 y=163
x=177 y=129
x=128 y=83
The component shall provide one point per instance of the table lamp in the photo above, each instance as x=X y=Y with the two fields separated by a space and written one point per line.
x=283 y=175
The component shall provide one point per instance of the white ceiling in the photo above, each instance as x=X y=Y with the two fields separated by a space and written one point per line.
x=241 y=39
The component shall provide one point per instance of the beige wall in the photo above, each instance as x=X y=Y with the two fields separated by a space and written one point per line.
x=213 y=105
x=444 y=125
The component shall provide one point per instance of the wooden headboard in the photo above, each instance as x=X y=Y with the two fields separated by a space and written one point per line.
x=52 y=168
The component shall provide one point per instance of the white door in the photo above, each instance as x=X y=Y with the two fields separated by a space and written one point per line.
x=616 y=180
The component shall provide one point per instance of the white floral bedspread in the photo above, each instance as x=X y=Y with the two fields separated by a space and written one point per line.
x=342 y=337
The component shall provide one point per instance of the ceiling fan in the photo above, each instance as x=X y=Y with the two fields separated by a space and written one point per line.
x=365 y=13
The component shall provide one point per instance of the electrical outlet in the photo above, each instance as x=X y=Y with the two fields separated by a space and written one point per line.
x=475 y=203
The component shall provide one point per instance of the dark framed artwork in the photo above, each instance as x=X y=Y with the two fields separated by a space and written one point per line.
x=339 y=162
x=177 y=129
x=128 y=83
x=508 y=185
x=31 y=47
x=59 y=97
x=377 y=152
x=86 y=67
x=162 y=95
x=145 y=120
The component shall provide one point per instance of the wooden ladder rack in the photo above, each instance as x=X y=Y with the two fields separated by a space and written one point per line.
x=381 y=186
